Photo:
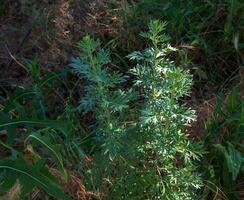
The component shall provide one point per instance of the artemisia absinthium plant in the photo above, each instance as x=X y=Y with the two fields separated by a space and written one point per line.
x=150 y=154
x=102 y=97
x=167 y=154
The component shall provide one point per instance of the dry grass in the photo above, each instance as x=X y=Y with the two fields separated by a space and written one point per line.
x=203 y=111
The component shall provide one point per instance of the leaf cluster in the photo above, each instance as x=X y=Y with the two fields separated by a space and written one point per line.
x=107 y=103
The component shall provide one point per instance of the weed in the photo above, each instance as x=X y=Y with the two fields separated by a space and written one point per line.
x=223 y=140
x=24 y=118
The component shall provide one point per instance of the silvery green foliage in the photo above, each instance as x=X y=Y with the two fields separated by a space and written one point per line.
x=150 y=154
x=168 y=153
x=101 y=96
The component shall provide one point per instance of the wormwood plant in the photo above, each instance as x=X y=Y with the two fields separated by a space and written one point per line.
x=150 y=154
x=102 y=98
x=168 y=154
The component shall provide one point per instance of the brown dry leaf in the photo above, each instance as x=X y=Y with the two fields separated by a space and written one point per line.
x=204 y=111
x=74 y=187
x=13 y=193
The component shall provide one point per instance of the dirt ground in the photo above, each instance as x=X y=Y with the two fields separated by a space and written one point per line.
x=45 y=30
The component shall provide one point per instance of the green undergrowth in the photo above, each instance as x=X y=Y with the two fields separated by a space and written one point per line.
x=207 y=33
x=32 y=142
x=224 y=142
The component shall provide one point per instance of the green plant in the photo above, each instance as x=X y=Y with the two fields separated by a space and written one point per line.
x=102 y=98
x=223 y=140
x=150 y=154
x=162 y=119
x=28 y=135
